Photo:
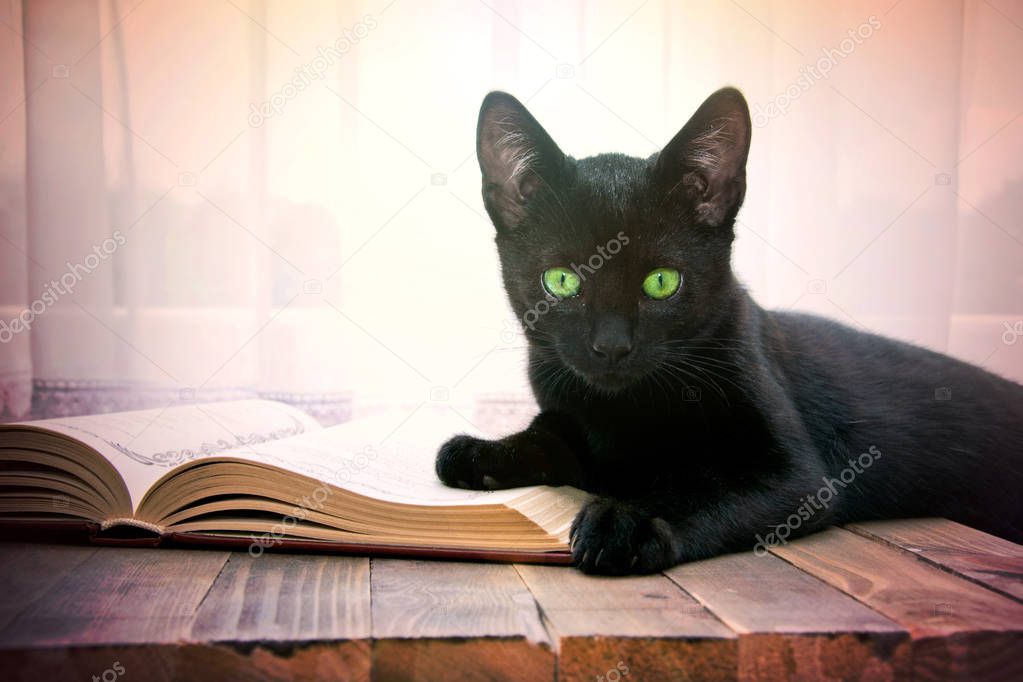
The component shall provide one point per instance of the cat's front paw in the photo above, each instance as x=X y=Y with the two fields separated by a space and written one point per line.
x=462 y=462
x=615 y=538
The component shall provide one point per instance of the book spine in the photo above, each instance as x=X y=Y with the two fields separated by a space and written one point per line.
x=151 y=527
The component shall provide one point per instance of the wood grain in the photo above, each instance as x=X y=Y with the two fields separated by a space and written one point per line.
x=118 y=596
x=307 y=614
x=839 y=605
x=645 y=625
x=959 y=629
x=196 y=615
x=29 y=571
x=286 y=598
x=793 y=626
x=985 y=559
x=436 y=620
x=175 y=662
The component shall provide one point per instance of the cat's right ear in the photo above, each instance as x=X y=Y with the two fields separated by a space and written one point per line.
x=517 y=158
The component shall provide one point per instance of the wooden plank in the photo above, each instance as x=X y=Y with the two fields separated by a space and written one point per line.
x=275 y=617
x=436 y=620
x=793 y=626
x=29 y=571
x=985 y=559
x=959 y=629
x=640 y=627
x=174 y=662
x=308 y=615
x=286 y=598
x=119 y=596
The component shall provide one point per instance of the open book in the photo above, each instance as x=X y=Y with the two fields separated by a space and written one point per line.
x=262 y=474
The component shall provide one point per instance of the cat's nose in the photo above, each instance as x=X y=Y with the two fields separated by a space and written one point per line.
x=612 y=339
x=613 y=351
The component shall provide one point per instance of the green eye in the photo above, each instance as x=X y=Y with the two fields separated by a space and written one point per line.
x=561 y=282
x=662 y=283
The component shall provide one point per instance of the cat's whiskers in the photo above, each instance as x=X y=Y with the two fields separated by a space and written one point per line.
x=713 y=371
x=683 y=373
x=707 y=369
x=565 y=376
x=733 y=344
x=717 y=363
x=717 y=367
x=679 y=366
x=663 y=384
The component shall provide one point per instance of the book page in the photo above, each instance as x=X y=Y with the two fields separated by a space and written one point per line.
x=145 y=444
x=380 y=457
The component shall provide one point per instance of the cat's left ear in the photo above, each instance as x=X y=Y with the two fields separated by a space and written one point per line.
x=705 y=163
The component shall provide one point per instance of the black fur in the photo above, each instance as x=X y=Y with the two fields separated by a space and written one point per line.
x=703 y=422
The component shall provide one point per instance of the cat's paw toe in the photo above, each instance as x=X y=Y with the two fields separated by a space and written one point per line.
x=458 y=463
x=614 y=538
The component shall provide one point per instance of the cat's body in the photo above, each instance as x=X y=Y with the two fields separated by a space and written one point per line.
x=702 y=422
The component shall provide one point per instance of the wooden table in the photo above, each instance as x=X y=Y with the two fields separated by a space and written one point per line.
x=917 y=599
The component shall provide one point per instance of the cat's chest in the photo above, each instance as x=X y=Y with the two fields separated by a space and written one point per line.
x=629 y=433
x=627 y=437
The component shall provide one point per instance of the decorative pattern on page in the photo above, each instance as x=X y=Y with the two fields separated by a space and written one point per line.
x=172 y=458
x=144 y=445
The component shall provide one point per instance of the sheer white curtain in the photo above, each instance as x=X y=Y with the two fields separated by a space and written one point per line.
x=216 y=200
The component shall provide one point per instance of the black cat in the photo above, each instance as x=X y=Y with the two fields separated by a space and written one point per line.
x=702 y=422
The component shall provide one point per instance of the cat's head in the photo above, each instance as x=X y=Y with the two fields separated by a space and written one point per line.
x=614 y=263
